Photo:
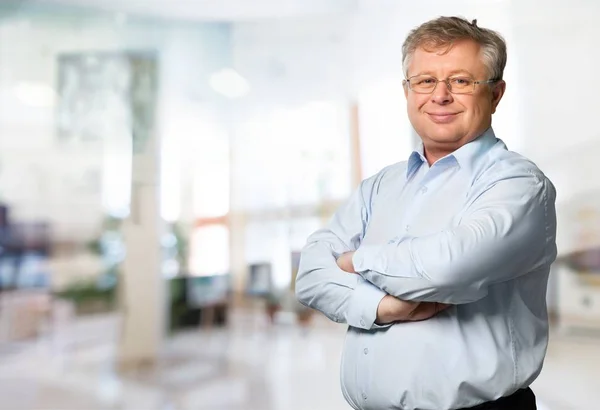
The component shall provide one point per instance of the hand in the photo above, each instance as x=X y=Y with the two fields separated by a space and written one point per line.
x=392 y=309
x=426 y=310
x=345 y=262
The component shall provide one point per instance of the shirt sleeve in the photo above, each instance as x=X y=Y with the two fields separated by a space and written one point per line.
x=509 y=230
x=320 y=284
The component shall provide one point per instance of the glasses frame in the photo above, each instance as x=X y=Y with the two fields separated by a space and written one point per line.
x=447 y=81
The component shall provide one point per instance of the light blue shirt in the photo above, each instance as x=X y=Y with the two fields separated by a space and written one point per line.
x=476 y=230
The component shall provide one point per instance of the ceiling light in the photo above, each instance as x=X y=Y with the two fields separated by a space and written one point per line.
x=229 y=83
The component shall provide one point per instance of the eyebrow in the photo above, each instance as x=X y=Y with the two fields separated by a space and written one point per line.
x=450 y=74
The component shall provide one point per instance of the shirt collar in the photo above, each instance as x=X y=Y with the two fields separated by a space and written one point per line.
x=416 y=159
x=466 y=156
x=469 y=154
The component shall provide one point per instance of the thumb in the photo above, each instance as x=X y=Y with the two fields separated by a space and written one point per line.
x=441 y=306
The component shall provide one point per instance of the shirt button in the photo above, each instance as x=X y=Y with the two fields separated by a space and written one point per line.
x=364 y=396
x=424 y=189
x=407 y=228
x=366 y=351
x=362 y=322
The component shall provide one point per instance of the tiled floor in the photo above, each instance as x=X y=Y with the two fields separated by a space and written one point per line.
x=249 y=366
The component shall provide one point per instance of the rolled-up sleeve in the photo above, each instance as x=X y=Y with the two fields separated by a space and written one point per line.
x=320 y=284
x=509 y=230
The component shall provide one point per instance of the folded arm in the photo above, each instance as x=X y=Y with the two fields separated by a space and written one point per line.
x=508 y=230
x=321 y=284
x=346 y=297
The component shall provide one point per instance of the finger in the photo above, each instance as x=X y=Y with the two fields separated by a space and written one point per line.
x=427 y=310
x=440 y=307
x=345 y=268
x=422 y=311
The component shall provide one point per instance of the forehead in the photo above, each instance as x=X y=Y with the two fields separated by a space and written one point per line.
x=463 y=55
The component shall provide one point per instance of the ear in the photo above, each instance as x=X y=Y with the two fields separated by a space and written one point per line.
x=405 y=86
x=497 y=92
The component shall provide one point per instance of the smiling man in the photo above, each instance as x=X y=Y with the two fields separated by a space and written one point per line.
x=439 y=264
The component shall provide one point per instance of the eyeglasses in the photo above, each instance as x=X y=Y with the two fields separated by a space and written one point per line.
x=426 y=84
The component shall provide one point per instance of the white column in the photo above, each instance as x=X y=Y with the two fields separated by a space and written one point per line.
x=143 y=287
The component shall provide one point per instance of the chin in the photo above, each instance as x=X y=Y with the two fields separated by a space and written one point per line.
x=444 y=134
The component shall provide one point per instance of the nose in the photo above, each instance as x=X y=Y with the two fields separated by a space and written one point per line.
x=441 y=94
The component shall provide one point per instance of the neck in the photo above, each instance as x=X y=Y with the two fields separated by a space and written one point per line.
x=433 y=154
x=435 y=151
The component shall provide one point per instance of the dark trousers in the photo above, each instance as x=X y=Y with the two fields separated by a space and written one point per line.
x=523 y=399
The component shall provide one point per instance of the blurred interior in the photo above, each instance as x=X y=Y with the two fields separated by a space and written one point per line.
x=163 y=162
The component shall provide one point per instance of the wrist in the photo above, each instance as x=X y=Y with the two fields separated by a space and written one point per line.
x=385 y=314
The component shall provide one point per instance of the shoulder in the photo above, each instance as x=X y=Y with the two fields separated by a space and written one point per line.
x=386 y=175
x=502 y=165
x=371 y=187
x=499 y=162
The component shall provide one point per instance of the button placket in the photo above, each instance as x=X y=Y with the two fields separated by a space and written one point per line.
x=413 y=206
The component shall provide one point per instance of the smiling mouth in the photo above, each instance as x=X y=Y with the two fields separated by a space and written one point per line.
x=442 y=118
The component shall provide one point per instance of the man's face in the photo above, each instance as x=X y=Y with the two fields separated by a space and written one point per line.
x=447 y=121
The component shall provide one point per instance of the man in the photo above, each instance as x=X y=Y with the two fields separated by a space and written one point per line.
x=439 y=264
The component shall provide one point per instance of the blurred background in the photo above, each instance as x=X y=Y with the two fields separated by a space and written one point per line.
x=162 y=163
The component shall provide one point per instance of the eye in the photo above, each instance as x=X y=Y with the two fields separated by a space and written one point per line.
x=461 y=81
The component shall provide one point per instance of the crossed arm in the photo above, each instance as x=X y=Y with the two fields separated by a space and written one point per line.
x=347 y=298
x=344 y=297
x=508 y=231
x=392 y=309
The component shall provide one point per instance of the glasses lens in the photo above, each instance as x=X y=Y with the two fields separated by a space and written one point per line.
x=422 y=83
x=461 y=85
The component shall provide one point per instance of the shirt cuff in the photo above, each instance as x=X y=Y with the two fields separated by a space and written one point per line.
x=362 y=310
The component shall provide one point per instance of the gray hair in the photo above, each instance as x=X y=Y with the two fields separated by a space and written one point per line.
x=445 y=31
